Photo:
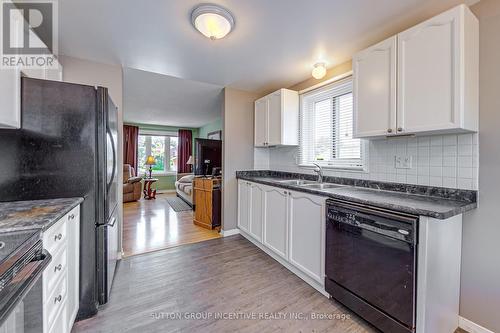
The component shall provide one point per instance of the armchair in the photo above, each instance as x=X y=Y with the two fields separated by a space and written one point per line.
x=132 y=186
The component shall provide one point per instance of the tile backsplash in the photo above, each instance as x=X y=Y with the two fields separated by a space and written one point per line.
x=444 y=161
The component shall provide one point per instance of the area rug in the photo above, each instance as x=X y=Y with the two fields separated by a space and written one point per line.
x=178 y=204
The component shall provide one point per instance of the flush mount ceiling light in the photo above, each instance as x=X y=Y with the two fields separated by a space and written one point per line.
x=319 y=70
x=212 y=21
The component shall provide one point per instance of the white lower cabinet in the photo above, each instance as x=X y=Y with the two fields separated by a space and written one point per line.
x=275 y=220
x=292 y=225
x=244 y=205
x=60 y=279
x=257 y=211
x=307 y=234
x=250 y=208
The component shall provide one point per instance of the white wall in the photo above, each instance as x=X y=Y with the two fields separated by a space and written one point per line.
x=447 y=161
x=237 y=122
x=480 y=278
x=109 y=76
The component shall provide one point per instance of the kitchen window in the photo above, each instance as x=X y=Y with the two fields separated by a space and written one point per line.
x=163 y=148
x=326 y=128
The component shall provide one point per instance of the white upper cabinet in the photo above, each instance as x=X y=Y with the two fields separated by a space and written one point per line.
x=261 y=122
x=375 y=89
x=10 y=79
x=437 y=69
x=277 y=119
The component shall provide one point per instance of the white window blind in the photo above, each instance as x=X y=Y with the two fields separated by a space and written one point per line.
x=326 y=128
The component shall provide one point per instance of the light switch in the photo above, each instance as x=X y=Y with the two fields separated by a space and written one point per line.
x=403 y=162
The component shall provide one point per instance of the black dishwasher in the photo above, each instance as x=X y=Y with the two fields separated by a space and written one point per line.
x=371 y=262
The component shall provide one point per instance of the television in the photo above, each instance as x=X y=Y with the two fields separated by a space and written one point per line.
x=208 y=155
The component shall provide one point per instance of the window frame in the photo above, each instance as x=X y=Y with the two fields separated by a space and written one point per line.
x=331 y=164
x=166 y=152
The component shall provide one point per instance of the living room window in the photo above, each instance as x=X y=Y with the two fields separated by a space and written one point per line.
x=163 y=148
x=326 y=128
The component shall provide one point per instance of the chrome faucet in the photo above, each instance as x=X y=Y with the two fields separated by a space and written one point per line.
x=319 y=171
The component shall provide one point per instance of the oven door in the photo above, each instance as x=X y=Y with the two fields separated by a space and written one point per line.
x=374 y=258
x=21 y=300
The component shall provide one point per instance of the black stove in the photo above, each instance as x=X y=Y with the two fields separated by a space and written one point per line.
x=22 y=261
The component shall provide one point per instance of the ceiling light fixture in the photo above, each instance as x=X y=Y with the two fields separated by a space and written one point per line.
x=319 y=70
x=212 y=21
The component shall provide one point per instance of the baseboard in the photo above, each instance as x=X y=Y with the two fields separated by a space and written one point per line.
x=231 y=232
x=471 y=327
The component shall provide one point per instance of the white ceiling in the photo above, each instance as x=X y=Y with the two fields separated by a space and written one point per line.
x=164 y=100
x=274 y=43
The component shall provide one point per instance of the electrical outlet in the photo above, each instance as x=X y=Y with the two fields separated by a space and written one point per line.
x=403 y=162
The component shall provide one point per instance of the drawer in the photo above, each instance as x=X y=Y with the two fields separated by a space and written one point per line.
x=55 y=301
x=55 y=270
x=60 y=324
x=55 y=238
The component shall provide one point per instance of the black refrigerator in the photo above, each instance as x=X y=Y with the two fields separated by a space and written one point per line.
x=67 y=147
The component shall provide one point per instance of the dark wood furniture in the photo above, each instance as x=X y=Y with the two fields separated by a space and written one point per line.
x=207 y=202
x=150 y=193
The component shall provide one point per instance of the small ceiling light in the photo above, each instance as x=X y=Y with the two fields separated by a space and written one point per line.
x=319 y=70
x=212 y=21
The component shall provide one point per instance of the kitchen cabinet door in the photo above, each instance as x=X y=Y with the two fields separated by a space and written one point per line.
x=261 y=122
x=274 y=119
x=72 y=303
x=307 y=234
x=10 y=80
x=243 y=205
x=432 y=89
x=275 y=220
x=374 y=72
x=256 y=211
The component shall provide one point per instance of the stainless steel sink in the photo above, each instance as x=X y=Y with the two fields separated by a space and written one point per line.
x=297 y=182
x=321 y=186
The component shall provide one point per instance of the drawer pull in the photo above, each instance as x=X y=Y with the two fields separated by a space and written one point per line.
x=71 y=217
x=57 y=299
x=58 y=268
x=57 y=237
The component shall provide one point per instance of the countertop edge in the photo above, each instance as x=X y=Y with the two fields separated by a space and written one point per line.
x=405 y=209
x=46 y=225
x=61 y=213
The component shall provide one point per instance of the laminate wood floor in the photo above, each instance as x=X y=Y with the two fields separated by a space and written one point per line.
x=151 y=225
x=227 y=275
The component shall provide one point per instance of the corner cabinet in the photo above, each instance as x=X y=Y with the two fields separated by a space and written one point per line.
x=292 y=225
x=425 y=80
x=277 y=119
x=60 y=279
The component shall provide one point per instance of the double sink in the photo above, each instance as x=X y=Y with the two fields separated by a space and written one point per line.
x=309 y=184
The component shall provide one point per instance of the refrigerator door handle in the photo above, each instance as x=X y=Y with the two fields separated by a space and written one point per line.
x=111 y=223
x=114 y=158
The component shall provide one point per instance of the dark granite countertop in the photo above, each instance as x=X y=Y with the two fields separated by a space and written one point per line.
x=34 y=214
x=439 y=203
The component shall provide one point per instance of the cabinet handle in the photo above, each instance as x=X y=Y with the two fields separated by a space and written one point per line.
x=71 y=217
x=389 y=130
x=57 y=299
x=400 y=129
x=58 y=268
x=57 y=237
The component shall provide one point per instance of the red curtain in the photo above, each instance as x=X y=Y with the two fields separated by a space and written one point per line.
x=184 y=150
x=130 y=143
